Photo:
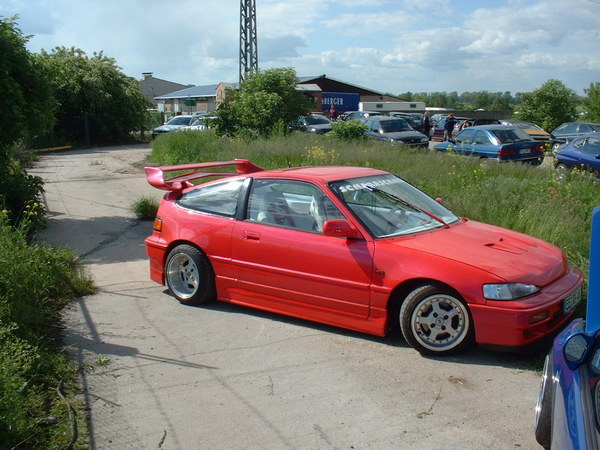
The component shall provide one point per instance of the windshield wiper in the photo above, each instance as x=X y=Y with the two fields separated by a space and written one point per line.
x=405 y=203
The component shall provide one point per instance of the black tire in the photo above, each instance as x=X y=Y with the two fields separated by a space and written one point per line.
x=435 y=322
x=543 y=408
x=189 y=275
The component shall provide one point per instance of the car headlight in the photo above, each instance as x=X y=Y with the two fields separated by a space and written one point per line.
x=508 y=291
x=424 y=139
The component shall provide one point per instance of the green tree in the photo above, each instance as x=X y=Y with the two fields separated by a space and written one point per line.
x=267 y=101
x=548 y=106
x=27 y=109
x=26 y=99
x=97 y=102
x=591 y=103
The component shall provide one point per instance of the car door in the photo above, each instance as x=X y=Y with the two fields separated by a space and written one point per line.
x=483 y=147
x=590 y=157
x=283 y=262
x=463 y=142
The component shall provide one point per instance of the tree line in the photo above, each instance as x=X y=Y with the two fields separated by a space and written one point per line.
x=548 y=106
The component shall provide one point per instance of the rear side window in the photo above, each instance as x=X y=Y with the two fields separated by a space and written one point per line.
x=221 y=198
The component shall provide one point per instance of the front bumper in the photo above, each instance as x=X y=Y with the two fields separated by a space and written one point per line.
x=508 y=327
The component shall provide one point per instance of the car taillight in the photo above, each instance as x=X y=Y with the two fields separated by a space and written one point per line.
x=157 y=226
x=539 y=148
x=507 y=152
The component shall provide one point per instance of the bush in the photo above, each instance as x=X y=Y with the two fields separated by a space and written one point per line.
x=351 y=130
x=145 y=208
x=35 y=283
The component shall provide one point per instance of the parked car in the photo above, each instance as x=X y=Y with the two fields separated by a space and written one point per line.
x=174 y=124
x=201 y=122
x=314 y=123
x=495 y=142
x=437 y=131
x=413 y=119
x=537 y=133
x=570 y=130
x=358 y=248
x=394 y=130
x=567 y=413
x=357 y=115
x=580 y=153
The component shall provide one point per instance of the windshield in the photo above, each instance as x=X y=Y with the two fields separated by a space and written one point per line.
x=509 y=135
x=316 y=120
x=526 y=126
x=389 y=206
x=179 y=120
x=391 y=126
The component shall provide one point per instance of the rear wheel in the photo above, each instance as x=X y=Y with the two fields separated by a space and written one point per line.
x=435 y=322
x=189 y=275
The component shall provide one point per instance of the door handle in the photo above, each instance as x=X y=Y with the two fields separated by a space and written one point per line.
x=251 y=235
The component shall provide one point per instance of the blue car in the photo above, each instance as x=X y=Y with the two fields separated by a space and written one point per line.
x=496 y=142
x=567 y=413
x=580 y=153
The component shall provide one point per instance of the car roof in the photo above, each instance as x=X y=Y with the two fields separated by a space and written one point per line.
x=491 y=127
x=319 y=173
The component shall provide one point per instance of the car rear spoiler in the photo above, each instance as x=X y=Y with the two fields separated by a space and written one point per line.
x=156 y=175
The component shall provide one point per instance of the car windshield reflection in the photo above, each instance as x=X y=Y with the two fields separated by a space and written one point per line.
x=389 y=206
x=392 y=126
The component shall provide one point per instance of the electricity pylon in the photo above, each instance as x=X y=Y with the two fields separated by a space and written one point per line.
x=248 y=46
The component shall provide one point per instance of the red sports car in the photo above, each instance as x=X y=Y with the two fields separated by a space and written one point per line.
x=357 y=248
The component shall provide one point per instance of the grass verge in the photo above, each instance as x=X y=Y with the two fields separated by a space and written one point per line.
x=35 y=283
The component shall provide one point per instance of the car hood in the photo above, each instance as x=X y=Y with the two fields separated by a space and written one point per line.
x=401 y=135
x=319 y=126
x=515 y=257
x=168 y=127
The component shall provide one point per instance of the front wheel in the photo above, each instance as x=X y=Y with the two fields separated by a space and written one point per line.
x=189 y=275
x=435 y=322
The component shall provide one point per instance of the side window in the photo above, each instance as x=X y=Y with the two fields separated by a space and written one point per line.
x=592 y=146
x=579 y=143
x=481 y=138
x=584 y=128
x=465 y=136
x=290 y=204
x=570 y=128
x=221 y=198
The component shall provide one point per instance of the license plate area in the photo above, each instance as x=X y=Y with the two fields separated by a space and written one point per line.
x=571 y=301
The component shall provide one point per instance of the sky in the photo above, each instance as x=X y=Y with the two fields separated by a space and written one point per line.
x=392 y=46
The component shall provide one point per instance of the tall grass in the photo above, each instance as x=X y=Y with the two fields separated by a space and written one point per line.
x=529 y=199
x=35 y=282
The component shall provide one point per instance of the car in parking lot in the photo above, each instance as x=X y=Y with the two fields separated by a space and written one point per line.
x=313 y=123
x=413 y=119
x=357 y=115
x=567 y=412
x=581 y=153
x=495 y=142
x=358 y=248
x=394 y=130
x=569 y=131
x=173 y=124
x=536 y=132
x=437 y=131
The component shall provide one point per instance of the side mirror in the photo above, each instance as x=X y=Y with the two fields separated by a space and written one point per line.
x=341 y=228
x=440 y=200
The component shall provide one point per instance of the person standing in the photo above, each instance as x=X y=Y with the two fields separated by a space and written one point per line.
x=449 y=127
x=332 y=113
x=426 y=124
